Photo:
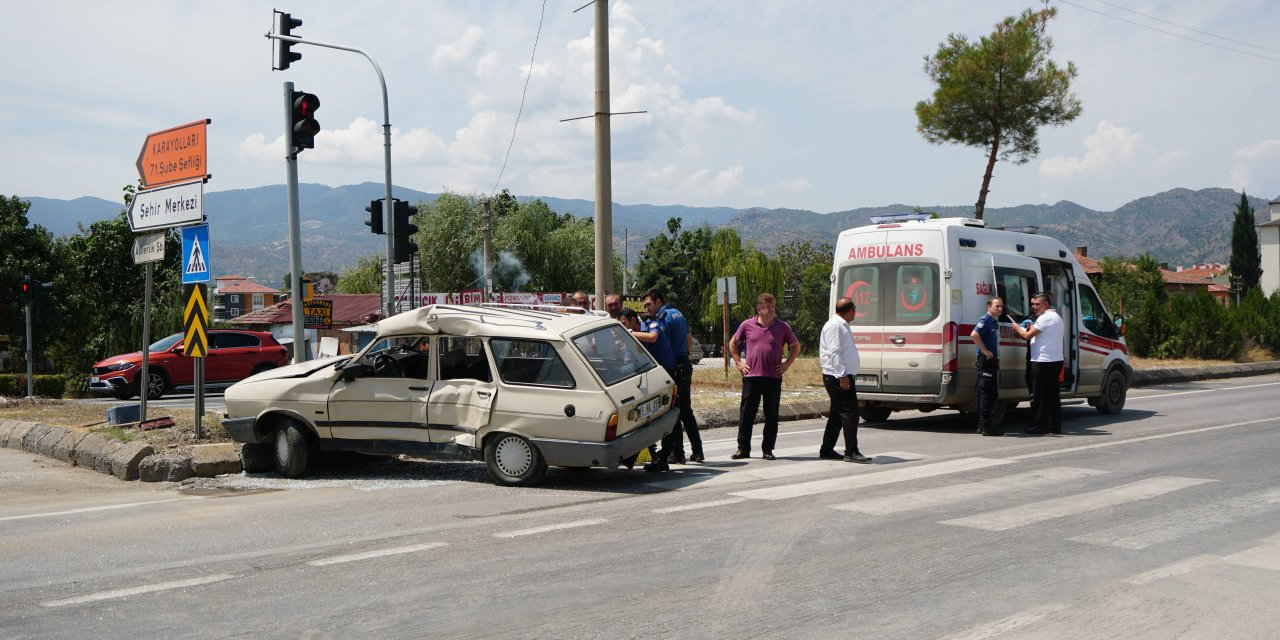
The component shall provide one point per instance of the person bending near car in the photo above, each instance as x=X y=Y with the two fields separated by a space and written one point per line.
x=840 y=362
x=986 y=335
x=676 y=330
x=1046 y=364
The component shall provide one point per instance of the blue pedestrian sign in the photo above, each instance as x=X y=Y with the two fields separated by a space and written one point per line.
x=195 y=254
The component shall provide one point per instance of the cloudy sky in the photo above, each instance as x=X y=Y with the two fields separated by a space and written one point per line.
x=749 y=103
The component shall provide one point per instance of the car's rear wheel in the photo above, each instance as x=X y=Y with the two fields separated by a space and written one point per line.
x=258 y=457
x=874 y=414
x=513 y=460
x=291 y=451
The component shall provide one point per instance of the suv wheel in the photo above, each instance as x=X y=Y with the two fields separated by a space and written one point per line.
x=291 y=448
x=156 y=384
x=513 y=461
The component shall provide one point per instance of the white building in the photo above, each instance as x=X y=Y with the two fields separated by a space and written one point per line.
x=1269 y=244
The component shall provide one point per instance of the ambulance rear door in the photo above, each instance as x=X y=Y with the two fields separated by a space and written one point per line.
x=1017 y=278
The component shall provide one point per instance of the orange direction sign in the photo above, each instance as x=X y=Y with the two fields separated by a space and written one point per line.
x=174 y=155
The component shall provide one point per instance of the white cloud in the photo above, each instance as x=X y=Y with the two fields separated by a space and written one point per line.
x=723 y=182
x=1108 y=147
x=361 y=143
x=1244 y=160
x=795 y=184
x=459 y=50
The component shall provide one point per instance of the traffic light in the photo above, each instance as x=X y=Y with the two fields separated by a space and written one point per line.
x=375 y=216
x=302 y=119
x=285 y=55
x=25 y=289
x=404 y=230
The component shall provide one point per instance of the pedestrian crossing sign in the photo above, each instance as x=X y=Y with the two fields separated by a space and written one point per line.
x=195 y=254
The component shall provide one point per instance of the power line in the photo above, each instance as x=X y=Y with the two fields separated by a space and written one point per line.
x=1211 y=35
x=1169 y=33
x=523 y=95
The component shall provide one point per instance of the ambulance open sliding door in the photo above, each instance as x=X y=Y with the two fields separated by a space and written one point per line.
x=1017 y=277
x=1059 y=282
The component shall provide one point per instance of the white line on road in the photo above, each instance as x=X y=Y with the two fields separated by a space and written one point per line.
x=1170 y=570
x=869 y=479
x=1086 y=447
x=1183 y=393
x=102 y=508
x=952 y=494
x=700 y=505
x=1075 y=504
x=151 y=588
x=324 y=562
x=1015 y=621
x=550 y=527
x=1184 y=522
x=1265 y=556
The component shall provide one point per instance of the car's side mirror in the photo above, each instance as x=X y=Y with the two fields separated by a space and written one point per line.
x=1119 y=322
x=355 y=370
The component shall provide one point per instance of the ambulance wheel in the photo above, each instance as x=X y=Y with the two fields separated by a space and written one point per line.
x=1114 y=389
x=874 y=414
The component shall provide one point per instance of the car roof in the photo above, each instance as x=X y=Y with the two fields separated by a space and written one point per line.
x=511 y=322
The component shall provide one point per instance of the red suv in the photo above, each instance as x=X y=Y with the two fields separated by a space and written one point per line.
x=233 y=356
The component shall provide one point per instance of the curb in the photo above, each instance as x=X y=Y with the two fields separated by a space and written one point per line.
x=139 y=461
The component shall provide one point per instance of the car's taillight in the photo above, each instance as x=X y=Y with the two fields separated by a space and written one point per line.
x=611 y=431
x=949 y=347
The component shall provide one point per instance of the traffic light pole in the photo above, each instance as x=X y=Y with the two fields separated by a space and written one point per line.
x=386 y=137
x=30 y=352
x=295 y=232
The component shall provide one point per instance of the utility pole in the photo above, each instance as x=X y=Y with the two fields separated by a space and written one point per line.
x=486 y=231
x=626 y=258
x=604 y=175
x=295 y=230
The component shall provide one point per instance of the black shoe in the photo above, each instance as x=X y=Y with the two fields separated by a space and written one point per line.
x=657 y=465
x=828 y=454
x=676 y=458
x=740 y=454
x=768 y=455
x=990 y=432
x=858 y=458
x=697 y=457
x=1032 y=432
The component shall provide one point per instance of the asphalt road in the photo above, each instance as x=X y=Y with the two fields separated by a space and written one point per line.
x=1162 y=522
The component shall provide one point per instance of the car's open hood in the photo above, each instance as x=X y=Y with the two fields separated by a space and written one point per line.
x=298 y=370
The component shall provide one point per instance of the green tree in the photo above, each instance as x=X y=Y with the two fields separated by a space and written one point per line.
x=1246 y=259
x=28 y=250
x=672 y=263
x=806 y=269
x=1135 y=288
x=756 y=272
x=540 y=250
x=995 y=93
x=365 y=277
x=448 y=235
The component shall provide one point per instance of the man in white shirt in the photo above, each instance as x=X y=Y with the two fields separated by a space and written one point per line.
x=839 y=358
x=1046 y=365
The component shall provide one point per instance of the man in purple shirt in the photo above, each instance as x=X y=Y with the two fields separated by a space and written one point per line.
x=762 y=372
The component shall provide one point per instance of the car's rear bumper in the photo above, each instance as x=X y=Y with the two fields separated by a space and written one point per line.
x=575 y=453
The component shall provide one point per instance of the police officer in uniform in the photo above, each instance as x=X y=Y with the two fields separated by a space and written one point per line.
x=986 y=335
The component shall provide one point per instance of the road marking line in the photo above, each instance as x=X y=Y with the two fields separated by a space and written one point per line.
x=1054 y=452
x=1263 y=556
x=952 y=494
x=1183 y=393
x=550 y=527
x=1171 y=570
x=151 y=588
x=1015 y=621
x=102 y=508
x=738 y=472
x=376 y=554
x=859 y=481
x=699 y=505
x=1074 y=504
x=1184 y=522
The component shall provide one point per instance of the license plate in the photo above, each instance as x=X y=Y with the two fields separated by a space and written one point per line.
x=646 y=409
x=867 y=381
x=93 y=379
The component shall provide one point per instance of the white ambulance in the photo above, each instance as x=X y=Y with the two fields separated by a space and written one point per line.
x=921 y=284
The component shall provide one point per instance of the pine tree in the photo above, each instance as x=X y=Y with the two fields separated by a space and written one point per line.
x=1246 y=259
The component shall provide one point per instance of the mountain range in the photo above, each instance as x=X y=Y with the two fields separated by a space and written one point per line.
x=249 y=227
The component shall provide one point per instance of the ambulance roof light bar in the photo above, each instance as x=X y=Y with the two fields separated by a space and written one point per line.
x=890 y=218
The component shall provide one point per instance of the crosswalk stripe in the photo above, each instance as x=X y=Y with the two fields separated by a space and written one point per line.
x=952 y=494
x=1264 y=556
x=716 y=474
x=1171 y=526
x=869 y=479
x=699 y=505
x=1170 y=570
x=1075 y=504
x=1008 y=623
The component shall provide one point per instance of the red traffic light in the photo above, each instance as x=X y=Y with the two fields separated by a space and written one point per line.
x=307 y=104
x=303 y=121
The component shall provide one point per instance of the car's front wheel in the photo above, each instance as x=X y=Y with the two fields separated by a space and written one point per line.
x=156 y=384
x=257 y=457
x=513 y=460
x=292 y=449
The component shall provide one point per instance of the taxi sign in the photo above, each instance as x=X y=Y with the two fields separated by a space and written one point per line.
x=195 y=254
x=174 y=155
